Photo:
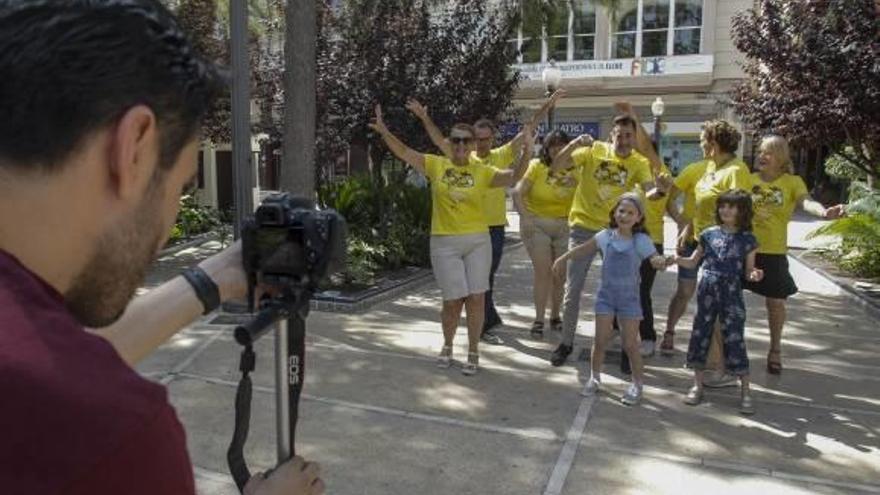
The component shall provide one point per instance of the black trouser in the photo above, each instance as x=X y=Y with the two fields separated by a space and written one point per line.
x=646 y=326
x=496 y=234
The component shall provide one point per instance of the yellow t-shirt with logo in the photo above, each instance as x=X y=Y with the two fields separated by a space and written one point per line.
x=495 y=201
x=457 y=196
x=714 y=182
x=686 y=181
x=655 y=209
x=604 y=176
x=551 y=192
x=773 y=203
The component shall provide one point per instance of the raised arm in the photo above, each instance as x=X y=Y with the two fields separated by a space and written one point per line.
x=660 y=185
x=509 y=177
x=517 y=141
x=400 y=150
x=563 y=158
x=433 y=131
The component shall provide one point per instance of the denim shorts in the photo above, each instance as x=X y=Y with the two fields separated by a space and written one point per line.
x=689 y=273
x=622 y=302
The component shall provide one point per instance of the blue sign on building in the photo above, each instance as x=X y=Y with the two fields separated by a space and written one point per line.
x=573 y=129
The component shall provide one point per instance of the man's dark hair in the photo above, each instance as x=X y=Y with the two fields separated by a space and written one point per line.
x=485 y=124
x=71 y=67
x=624 y=121
x=742 y=200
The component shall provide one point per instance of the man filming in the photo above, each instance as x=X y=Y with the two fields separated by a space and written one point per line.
x=101 y=102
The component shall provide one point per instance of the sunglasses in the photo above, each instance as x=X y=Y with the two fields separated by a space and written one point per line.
x=460 y=140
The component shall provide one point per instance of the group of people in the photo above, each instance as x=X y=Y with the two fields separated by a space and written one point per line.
x=581 y=197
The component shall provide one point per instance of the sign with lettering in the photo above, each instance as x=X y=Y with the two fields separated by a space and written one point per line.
x=573 y=129
x=624 y=67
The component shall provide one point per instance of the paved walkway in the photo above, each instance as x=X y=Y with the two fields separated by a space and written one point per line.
x=382 y=419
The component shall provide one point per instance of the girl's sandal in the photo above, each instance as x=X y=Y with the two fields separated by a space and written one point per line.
x=444 y=360
x=470 y=367
x=537 y=330
x=774 y=362
x=556 y=324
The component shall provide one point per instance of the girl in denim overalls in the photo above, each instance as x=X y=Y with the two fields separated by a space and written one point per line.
x=623 y=246
x=727 y=252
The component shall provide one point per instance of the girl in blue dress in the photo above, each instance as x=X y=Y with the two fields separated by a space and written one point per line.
x=624 y=245
x=727 y=253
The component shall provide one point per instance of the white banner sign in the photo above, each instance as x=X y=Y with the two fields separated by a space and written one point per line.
x=624 y=67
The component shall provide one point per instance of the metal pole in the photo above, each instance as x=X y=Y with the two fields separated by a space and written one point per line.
x=550 y=116
x=242 y=172
x=282 y=405
x=657 y=136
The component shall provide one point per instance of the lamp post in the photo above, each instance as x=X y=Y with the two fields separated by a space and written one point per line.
x=657 y=110
x=552 y=77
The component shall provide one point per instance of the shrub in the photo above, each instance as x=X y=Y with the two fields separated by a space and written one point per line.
x=859 y=232
x=193 y=219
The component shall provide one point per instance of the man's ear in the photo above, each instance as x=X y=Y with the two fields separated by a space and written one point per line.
x=134 y=153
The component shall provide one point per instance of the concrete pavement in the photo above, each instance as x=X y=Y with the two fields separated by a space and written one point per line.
x=382 y=419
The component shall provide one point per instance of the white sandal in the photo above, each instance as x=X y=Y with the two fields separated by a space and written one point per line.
x=444 y=360
x=470 y=367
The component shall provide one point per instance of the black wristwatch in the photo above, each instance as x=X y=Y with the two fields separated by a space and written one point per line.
x=205 y=288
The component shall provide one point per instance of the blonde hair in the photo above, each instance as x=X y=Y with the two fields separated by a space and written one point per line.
x=778 y=147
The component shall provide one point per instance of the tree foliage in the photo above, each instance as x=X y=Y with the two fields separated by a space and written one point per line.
x=452 y=56
x=813 y=74
x=200 y=21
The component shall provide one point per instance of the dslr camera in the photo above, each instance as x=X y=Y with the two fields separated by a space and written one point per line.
x=290 y=245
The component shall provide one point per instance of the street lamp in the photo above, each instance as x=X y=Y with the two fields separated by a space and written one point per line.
x=657 y=110
x=552 y=77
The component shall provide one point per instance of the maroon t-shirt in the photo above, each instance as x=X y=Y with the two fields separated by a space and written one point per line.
x=74 y=418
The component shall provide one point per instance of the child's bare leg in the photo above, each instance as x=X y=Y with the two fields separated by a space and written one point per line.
x=603 y=335
x=630 y=335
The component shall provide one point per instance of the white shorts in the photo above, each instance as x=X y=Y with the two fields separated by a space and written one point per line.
x=461 y=264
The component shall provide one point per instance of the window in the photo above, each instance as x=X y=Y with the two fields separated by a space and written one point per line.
x=656 y=28
x=688 y=27
x=570 y=35
x=584 y=30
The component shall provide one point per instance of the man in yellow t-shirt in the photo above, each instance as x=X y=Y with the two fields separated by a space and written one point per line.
x=495 y=201
x=607 y=170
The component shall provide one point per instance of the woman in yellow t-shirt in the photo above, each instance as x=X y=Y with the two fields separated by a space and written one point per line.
x=776 y=192
x=461 y=252
x=722 y=171
x=543 y=198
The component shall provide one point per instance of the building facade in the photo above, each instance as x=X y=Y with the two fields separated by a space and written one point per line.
x=678 y=50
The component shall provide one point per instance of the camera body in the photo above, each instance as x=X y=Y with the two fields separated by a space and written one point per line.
x=290 y=244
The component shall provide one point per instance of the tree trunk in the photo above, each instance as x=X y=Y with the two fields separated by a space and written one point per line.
x=298 y=155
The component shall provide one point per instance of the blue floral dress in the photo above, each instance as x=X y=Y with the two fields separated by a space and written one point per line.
x=719 y=297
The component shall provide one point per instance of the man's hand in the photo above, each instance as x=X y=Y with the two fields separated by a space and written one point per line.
x=294 y=477
x=417 y=109
x=584 y=140
x=378 y=124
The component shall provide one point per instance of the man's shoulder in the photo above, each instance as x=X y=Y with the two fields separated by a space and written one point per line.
x=76 y=403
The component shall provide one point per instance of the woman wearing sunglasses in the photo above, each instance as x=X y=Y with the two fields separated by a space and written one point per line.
x=461 y=252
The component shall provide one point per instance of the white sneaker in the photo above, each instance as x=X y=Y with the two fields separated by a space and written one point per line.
x=633 y=395
x=646 y=348
x=591 y=388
